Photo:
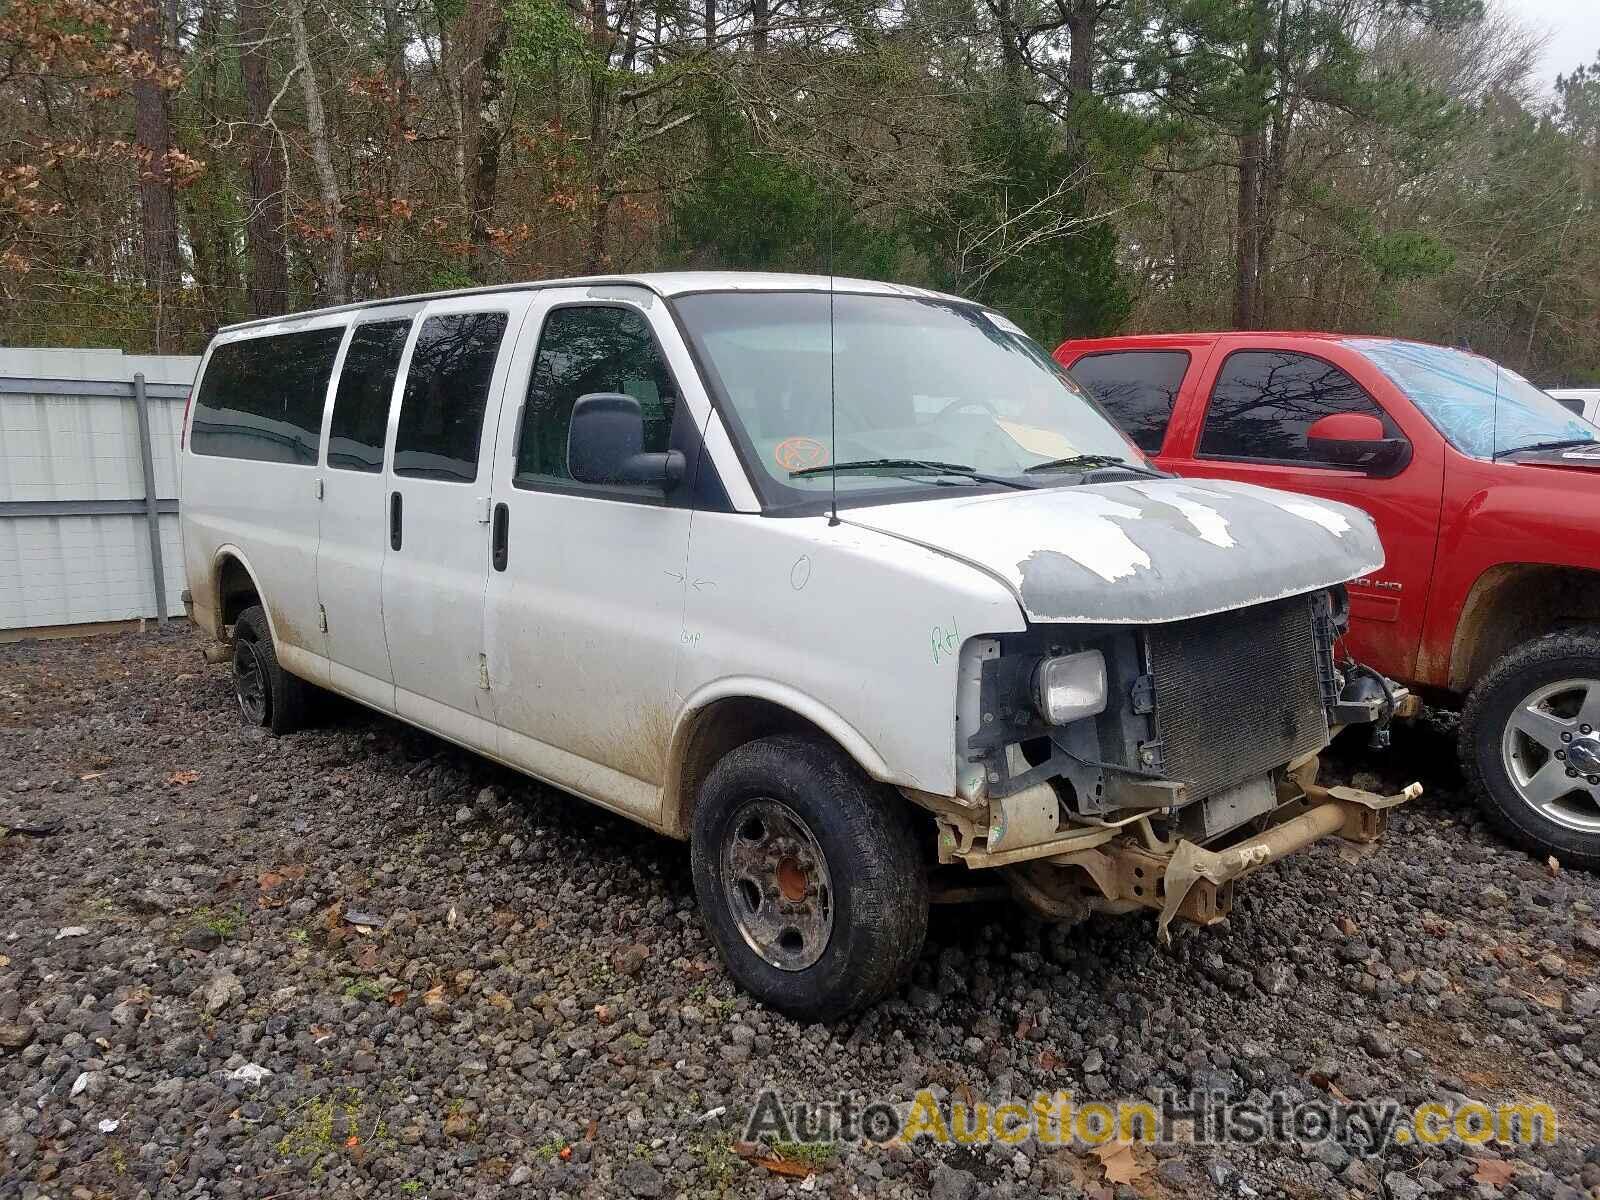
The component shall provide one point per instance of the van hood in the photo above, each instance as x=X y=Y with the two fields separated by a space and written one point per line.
x=1141 y=552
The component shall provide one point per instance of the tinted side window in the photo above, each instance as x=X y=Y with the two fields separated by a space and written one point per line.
x=361 y=402
x=1572 y=405
x=1138 y=388
x=1264 y=401
x=447 y=389
x=262 y=398
x=590 y=349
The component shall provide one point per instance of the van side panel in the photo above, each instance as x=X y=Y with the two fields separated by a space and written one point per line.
x=851 y=628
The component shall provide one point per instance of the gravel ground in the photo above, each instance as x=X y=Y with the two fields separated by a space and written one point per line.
x=357 y=961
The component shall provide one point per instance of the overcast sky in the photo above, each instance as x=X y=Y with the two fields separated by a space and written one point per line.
x=1575 y=29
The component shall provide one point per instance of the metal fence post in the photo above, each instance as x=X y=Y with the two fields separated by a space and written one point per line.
x=151 y=512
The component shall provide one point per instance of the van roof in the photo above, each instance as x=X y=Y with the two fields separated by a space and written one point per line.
x=662 y=283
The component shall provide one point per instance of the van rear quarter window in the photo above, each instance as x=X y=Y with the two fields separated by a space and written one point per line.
x=447 y=390
x=261 y=398
x=361 y=404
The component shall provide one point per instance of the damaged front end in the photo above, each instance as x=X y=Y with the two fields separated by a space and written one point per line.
x=1114 y=768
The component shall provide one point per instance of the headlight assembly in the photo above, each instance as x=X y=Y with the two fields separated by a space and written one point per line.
x=1070 y=687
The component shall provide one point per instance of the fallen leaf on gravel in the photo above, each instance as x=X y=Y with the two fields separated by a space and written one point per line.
x=183 y=778
x=277 y=876
x=320 y=1033
x=72 y=931
x=270 y=901
x=1495 y=1172
x=1118 y=1162
x=367 y=957
x=566 y=1154
x=756 y=1153
x=434 y=996
x=5 y=961
x=250 y=1073
x=457 y=1125
x=1048 y=1061
x=398 y=997
x=1553 y=864
x=501 y=1001
x=593 y=1131
x=1322 y=1081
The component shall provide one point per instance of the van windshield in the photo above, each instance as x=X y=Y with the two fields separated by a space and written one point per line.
x=1482 y=408
x=920 y=387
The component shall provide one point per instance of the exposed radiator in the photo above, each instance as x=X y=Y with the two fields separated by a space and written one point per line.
x=1238 y=693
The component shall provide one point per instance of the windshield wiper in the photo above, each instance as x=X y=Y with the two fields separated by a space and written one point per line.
x=1089 y=462
x=924 y=465
x=1558 y=444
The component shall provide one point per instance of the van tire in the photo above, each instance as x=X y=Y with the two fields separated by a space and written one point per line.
x=1516 y=679
x=876 y=893
x=284 y=698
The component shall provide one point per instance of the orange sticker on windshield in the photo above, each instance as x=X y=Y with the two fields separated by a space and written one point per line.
x=798 y=453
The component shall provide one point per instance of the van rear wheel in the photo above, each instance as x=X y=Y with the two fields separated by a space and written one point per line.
x=809 y=876
x=268 y=695
x=1530 y=746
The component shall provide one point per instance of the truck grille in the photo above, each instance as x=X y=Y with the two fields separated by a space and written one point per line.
x=1238 y=693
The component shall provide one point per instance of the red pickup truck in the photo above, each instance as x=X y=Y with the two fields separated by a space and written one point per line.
x=1486 y=494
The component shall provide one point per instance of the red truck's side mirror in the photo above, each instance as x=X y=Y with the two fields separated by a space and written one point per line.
x=1357 y=440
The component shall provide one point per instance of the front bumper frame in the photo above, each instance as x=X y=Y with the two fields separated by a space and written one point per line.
x=1125 y=867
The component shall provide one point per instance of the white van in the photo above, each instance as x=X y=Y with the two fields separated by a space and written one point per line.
x=846 y=583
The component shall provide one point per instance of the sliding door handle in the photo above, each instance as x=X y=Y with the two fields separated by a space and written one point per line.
x=499 y=542
x=394 y=520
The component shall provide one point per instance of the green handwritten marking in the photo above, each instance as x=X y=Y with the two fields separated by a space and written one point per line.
x=945 y=642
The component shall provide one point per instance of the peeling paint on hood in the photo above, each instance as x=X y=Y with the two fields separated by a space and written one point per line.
x=1141 y=552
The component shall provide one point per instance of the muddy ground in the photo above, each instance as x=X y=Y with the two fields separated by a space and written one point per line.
x=357 y=961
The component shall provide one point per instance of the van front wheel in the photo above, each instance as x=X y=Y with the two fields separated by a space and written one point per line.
x=809 y=876
x=268 y=695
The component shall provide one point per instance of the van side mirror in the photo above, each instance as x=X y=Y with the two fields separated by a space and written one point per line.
x=1357 y=440
x=605 y=444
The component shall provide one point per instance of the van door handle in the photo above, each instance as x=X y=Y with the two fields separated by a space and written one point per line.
x=394 y=520
x=498 y=539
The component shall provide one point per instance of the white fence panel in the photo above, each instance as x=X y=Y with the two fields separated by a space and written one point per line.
x=75 y=522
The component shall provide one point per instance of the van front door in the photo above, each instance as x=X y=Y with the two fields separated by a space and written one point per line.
x=436 y=515
x=585 y=597
x=354 y=537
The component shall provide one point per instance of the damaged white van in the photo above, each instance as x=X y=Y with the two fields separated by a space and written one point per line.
x=846 y=583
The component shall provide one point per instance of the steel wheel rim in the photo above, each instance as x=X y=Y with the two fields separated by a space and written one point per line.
x=1551 y=752
x=249 y=682
x=776 y=884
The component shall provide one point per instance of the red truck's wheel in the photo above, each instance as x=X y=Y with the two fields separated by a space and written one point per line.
x=1530 y=745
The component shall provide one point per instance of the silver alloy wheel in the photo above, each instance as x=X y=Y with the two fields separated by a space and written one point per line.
x=1551 y=751
x=249 y=681
x=777 y=884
